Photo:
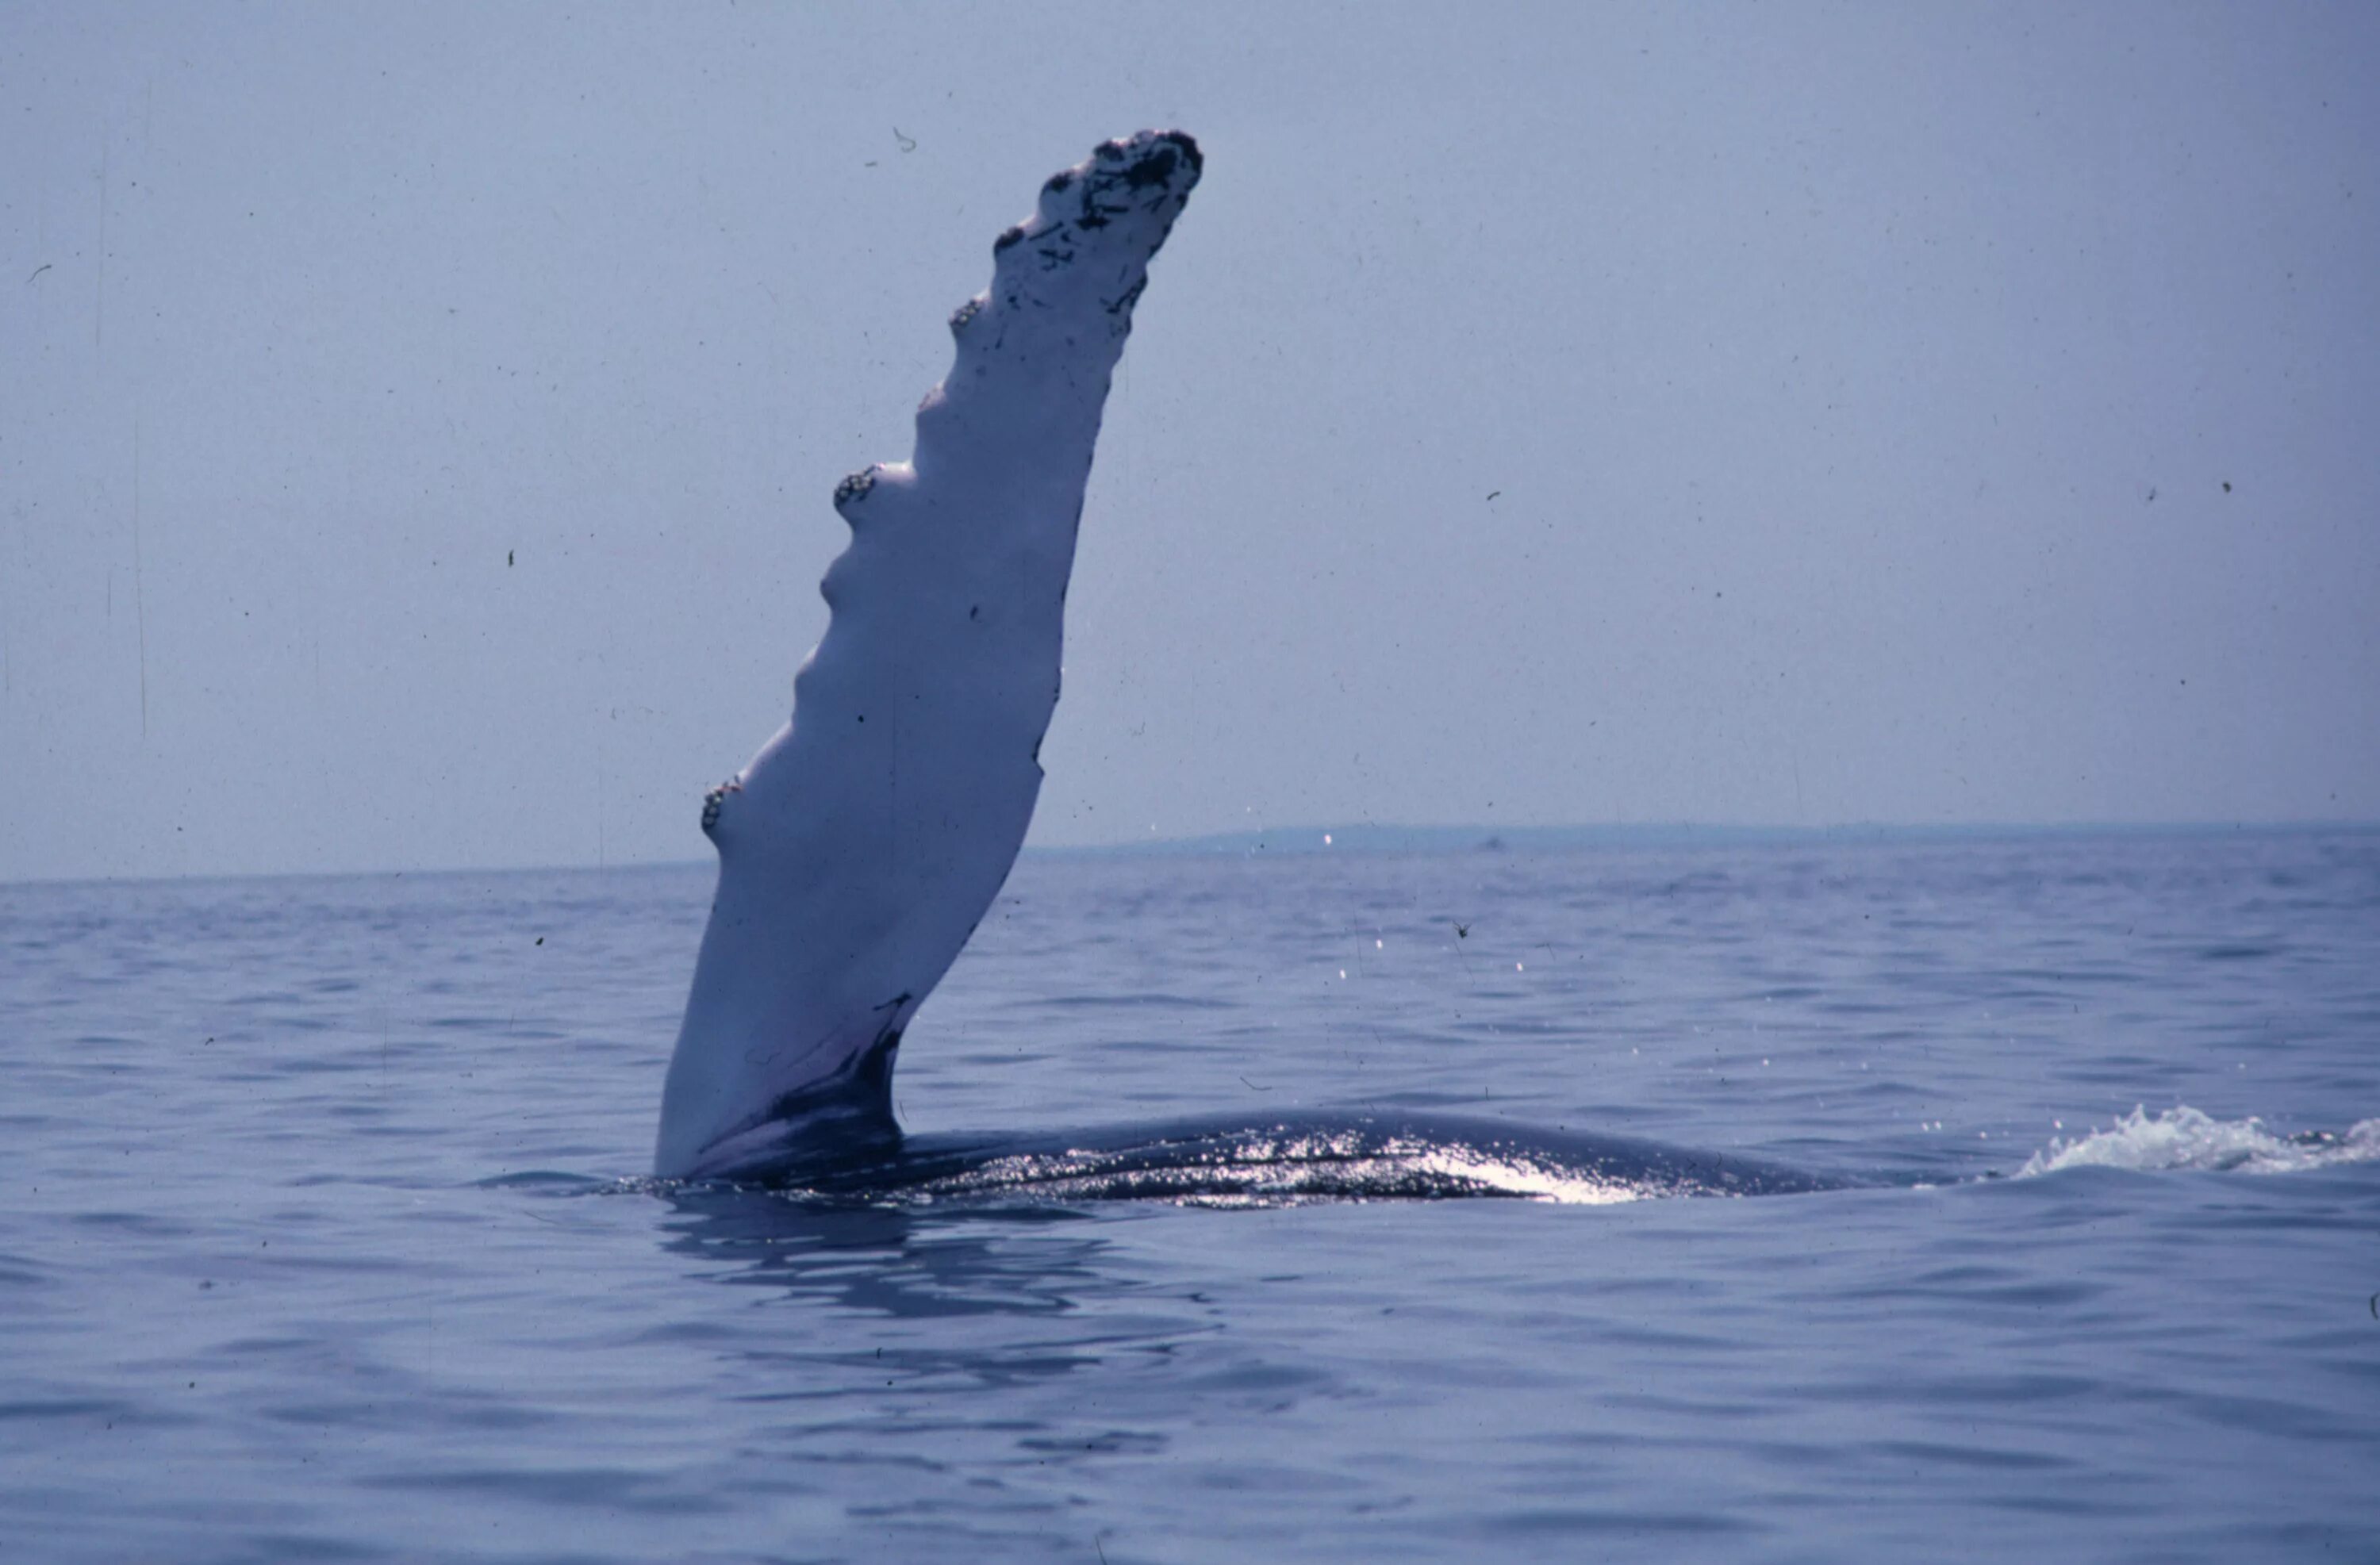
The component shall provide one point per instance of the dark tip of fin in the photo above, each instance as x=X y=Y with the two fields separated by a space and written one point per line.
x=1154 y=169
x=1189 y=149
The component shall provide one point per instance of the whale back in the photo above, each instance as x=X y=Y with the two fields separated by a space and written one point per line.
x=861 y=847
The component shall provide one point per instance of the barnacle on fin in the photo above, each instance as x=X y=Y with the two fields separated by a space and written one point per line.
x=715 y=801
x=856 y=486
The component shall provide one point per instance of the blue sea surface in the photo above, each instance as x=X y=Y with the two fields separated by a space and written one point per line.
x=324 y=1232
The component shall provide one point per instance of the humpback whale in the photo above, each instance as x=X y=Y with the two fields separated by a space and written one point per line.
x=862 y=844
x=861 y=847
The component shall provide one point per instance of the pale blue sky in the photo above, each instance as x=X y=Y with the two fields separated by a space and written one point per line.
x=1856 y=387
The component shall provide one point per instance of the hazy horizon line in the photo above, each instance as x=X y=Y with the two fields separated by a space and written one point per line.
x=1371 y=838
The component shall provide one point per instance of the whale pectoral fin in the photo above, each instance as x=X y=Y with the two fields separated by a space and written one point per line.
x=861 y=847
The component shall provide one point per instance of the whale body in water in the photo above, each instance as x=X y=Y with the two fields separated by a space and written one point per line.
x=860 y=848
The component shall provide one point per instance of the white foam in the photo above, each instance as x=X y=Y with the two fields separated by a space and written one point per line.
x=2185 y=1138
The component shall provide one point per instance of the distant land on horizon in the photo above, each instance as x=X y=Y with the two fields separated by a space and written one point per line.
x=1286 y=840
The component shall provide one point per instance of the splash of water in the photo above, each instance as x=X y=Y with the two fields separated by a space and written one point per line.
x=2187 y=1139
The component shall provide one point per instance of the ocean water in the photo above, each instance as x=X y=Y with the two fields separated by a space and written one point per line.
x=325 y=1234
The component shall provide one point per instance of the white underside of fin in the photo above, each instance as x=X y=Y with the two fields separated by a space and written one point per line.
x=860 y=846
